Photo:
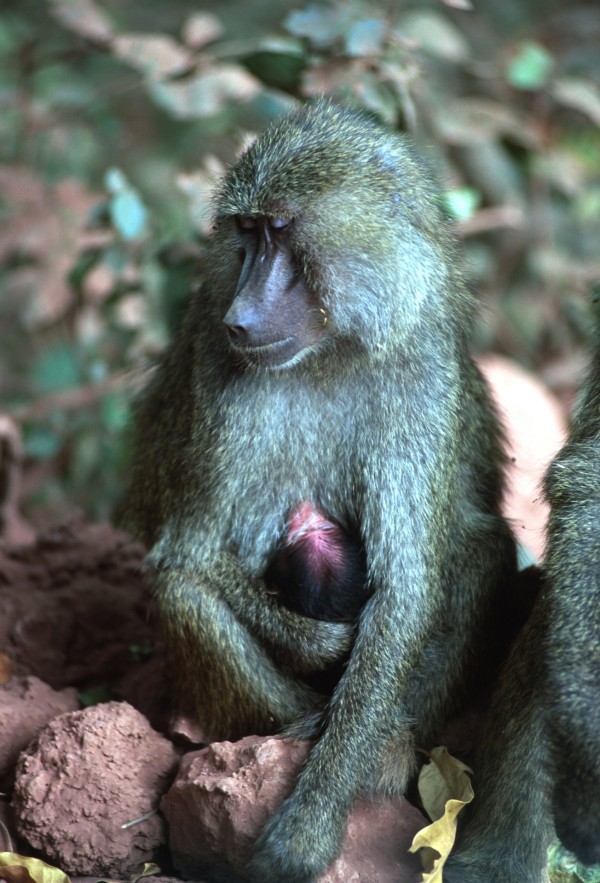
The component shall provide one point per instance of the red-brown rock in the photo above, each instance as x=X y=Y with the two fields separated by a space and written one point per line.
x=89 y=773
x=225 y=793
x=27 y=705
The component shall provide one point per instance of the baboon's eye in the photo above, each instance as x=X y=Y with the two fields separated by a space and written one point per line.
x=245 y=222
x=279 y=223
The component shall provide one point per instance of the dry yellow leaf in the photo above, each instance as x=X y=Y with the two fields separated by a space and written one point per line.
x=16 y=868
x=149 y=870
x=444 y=778
x=445 y=788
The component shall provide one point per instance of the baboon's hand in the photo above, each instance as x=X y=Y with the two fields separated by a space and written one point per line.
x=298 y=843
x=576 y=821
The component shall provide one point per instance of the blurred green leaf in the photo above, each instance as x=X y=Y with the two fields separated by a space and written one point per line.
x=126 y=209
x=115 y=259
x=114 y=409
x=321 y=25
x=202 y=28
x=531 y=67
x=84 y=17
x=580 y=94
x=278 y=63
x=40 y=442
x=435 y=34
x=155 y=55
x=205 y=94
x=13 y=31
x=587 y=205
x=82 y=266
x=365 y=37
x=462 y=203
x=128 y=214
x=463 y=120
x=115 y=181
x=377 y=97
x=56 y=368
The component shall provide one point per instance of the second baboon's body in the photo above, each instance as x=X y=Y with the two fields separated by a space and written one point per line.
x=573 y=626
x=343 y=378
x=541 y=752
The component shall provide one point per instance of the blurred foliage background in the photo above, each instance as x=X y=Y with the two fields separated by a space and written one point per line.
x=117 y=116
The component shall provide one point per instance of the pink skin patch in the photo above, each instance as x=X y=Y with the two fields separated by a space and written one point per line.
x=318 y=538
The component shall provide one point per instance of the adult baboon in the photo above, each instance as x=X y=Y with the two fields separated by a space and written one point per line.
x=573 y=640
x=325 y=359
x=540 y=757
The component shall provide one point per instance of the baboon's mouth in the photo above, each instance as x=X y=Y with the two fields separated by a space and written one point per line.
x=276 y=354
